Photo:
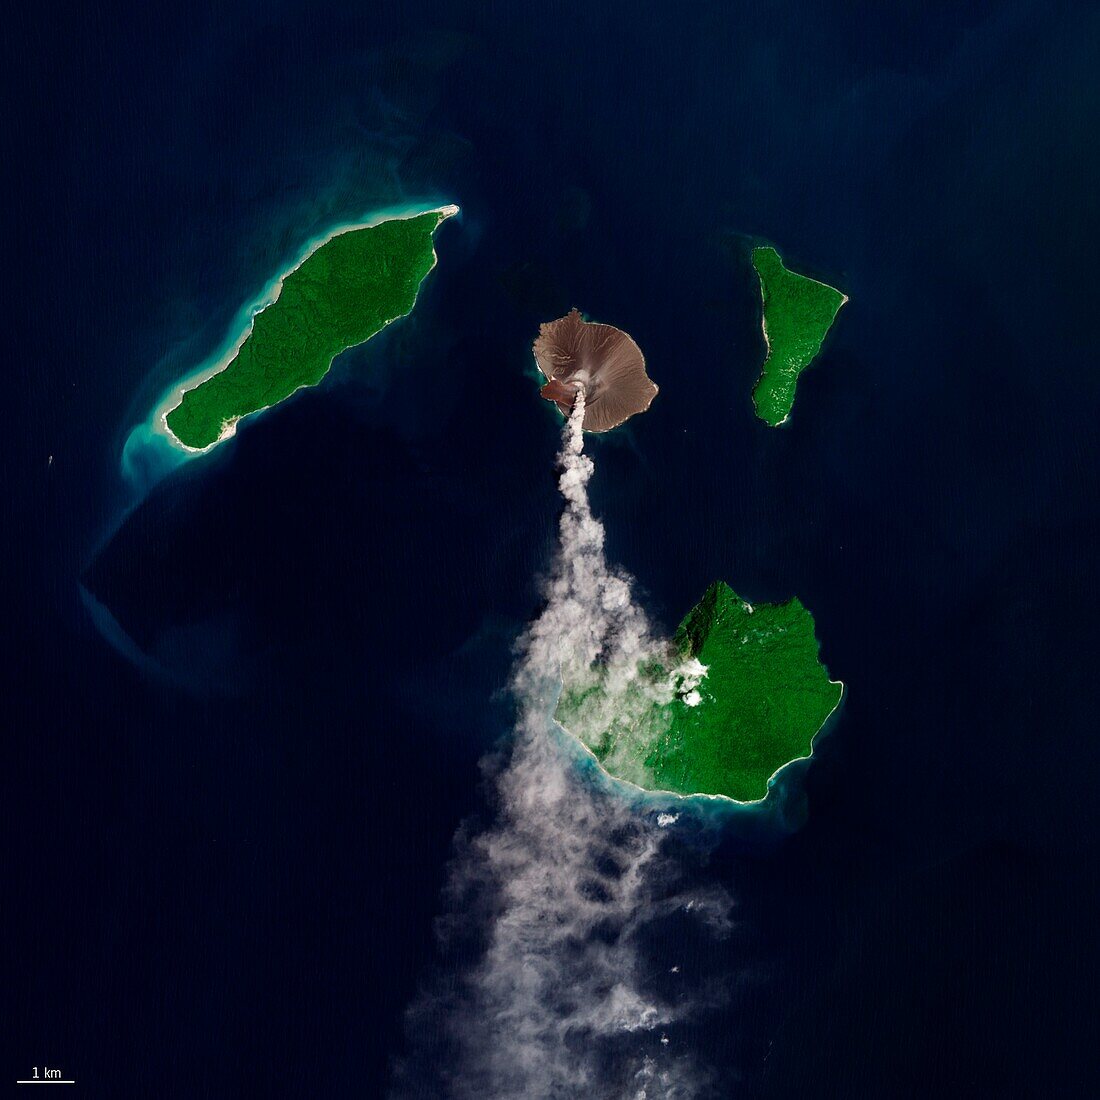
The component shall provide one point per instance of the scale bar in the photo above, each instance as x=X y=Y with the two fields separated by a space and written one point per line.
x=44 y=1081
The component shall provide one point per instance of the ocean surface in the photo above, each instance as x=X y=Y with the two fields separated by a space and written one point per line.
x=249 y=696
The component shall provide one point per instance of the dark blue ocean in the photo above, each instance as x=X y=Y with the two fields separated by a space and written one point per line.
x=226 y=834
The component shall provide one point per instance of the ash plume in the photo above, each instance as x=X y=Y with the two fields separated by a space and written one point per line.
x=557 y=904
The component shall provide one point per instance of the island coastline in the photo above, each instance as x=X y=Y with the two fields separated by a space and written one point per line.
x=267 y=298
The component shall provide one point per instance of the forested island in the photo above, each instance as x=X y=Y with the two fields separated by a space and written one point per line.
x=346 y=290
x=741 y=694
x=797 y=314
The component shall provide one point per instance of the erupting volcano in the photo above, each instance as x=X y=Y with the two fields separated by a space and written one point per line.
x=572 y=352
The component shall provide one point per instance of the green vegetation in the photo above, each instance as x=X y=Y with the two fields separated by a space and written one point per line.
x=341 y=295
x=797 y=315
x=746 y=694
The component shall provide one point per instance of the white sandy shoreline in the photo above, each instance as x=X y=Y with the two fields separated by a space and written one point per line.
x=267 y=297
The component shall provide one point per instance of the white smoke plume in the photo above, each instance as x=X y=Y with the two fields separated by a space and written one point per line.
x=565 y=891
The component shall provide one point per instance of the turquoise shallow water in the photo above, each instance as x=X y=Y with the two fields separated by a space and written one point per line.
x=252 y=846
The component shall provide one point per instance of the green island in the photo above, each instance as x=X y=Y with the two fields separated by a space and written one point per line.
x=344 y=292
x=797 y=314
x=742 y=694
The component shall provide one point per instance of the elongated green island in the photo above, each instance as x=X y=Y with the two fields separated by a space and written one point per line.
x=345 y=291
x=797 y=314
x=742 y=694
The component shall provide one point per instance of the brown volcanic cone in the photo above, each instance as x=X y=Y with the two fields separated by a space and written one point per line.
x=605 y=360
